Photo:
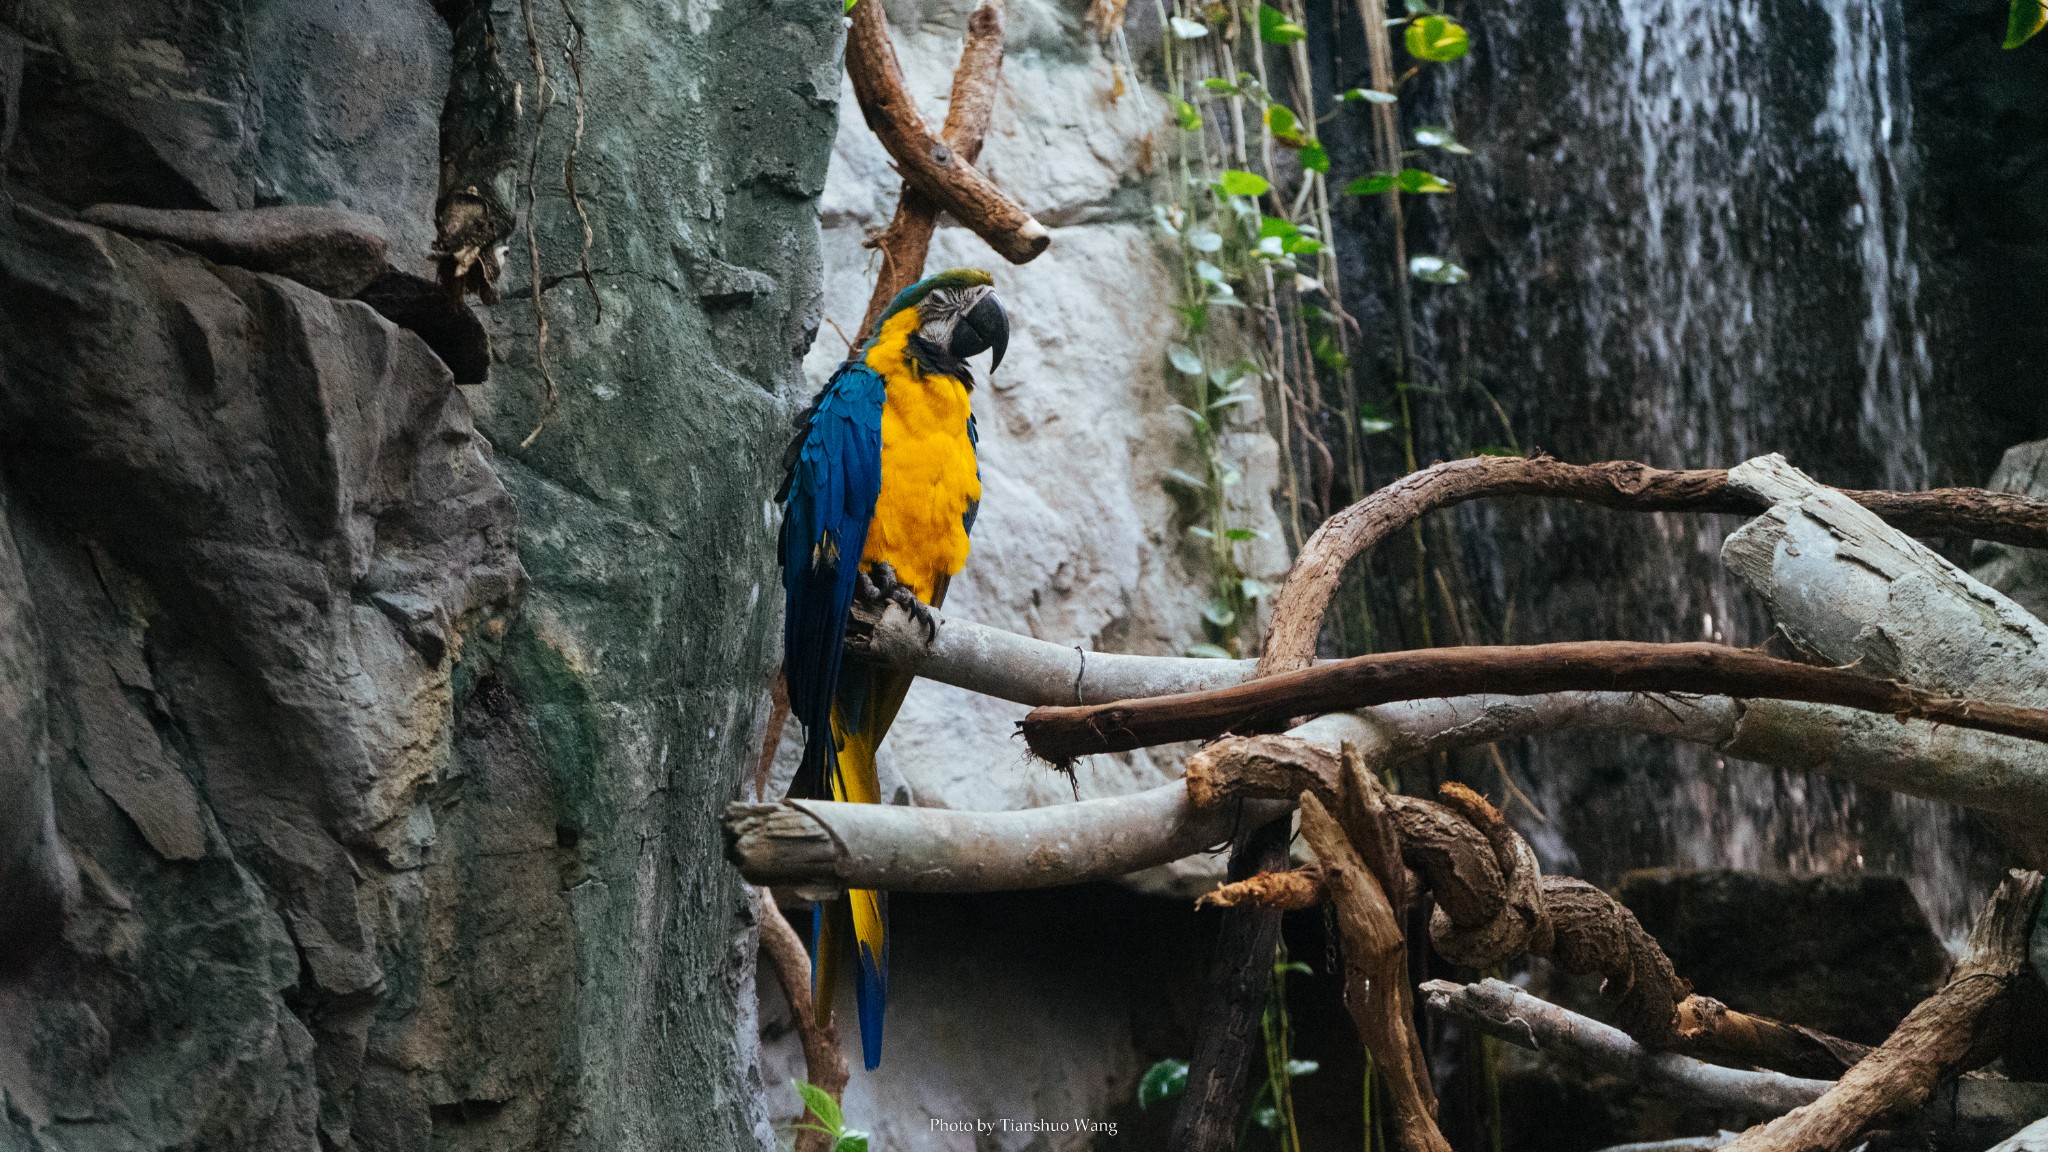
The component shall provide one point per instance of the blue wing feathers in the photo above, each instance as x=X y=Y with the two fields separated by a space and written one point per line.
x=835 y=475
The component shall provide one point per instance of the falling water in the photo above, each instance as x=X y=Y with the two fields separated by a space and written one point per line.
x=1689 y=231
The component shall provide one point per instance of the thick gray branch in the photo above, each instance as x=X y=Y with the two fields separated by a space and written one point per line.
x=859 y=845
x=1503 y=1010
x=1025 y=670
x=1850 y=589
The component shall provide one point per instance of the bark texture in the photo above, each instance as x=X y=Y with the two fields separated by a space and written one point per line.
x=1062 y=735
x=376 y=760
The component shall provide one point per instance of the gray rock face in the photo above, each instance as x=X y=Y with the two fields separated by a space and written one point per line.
x=328 y=824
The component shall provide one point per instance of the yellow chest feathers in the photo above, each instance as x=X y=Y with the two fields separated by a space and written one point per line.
x=928 y=473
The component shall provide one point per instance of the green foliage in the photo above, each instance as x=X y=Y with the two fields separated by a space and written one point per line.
x=1407 y=180
x=1188 y=116
x=1284 y=125
x=1367 y=95
x=1438 y=39
x=1166 y=1079
x=1275 y=28
x=1315 y=158
x=2023 y=20
x=819 y=1104
x=1237 y=182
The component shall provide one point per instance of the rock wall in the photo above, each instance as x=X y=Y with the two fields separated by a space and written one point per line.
x=363 y=762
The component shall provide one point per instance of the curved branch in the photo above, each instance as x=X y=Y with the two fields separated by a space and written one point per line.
x=824 y=1063
x=907 y=240
x=933 y=166
x=1298 y=610
x=1060 y=735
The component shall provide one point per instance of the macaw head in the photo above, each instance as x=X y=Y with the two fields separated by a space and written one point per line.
x=958 y=314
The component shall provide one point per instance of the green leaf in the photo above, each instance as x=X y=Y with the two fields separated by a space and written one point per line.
x=1369 y=95
x=1200 y=421
x=1315 y=158
x=1186 y=29
x=1275 y=28
x=1294 y=966
x=1182 y=476
x=1435 y=270
x=1219 y=613
x=1185 y=359
x=851 y=1142
x=1273 y=246
x=1254 y=590
x=1205 y=240
x=1236 y=182
x=1267 y=1117
x=821 y=1104
x=849 y=7
x=2025 y=18
x=1188 y=116
x=1301 y=246
x=1229 y=400
x=1303 y=1067
x=1416 y=180
x=1326 y=352
x=1271 y=226
x=1372 y=421
x=1220 y=85
x=1417 y=7
x=1200 y=533
x=1241 y=534
x=1372 y=185
x=1199 y=652
x=1169 y=1078
x=1286 y=127
x=1195 y=316
x=1209 y=272
x=1436 y=38
x=1438 y=136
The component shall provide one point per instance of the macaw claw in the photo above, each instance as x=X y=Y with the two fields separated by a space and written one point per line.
x=879 y=584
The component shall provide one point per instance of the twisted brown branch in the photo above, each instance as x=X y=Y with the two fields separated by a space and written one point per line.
x=1493 y=903
x=1623 y=484
x=1958 y=1028
x=824 y=1063
x=907 y=241
x=936 y=167
x=1060 y=735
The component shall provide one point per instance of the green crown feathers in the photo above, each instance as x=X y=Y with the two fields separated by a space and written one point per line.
x=914 y=295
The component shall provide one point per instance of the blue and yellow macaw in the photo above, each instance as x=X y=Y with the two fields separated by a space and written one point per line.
x=881 y=492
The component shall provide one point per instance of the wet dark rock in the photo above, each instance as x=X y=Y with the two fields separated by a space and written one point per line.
x=445 y=322
x=326 y=824
x=1847 y=954
x=325 y=249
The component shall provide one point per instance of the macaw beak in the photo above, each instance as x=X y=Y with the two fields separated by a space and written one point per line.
x=985 y=327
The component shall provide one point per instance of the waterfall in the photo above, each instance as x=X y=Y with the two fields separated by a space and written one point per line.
x=1689 y=231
